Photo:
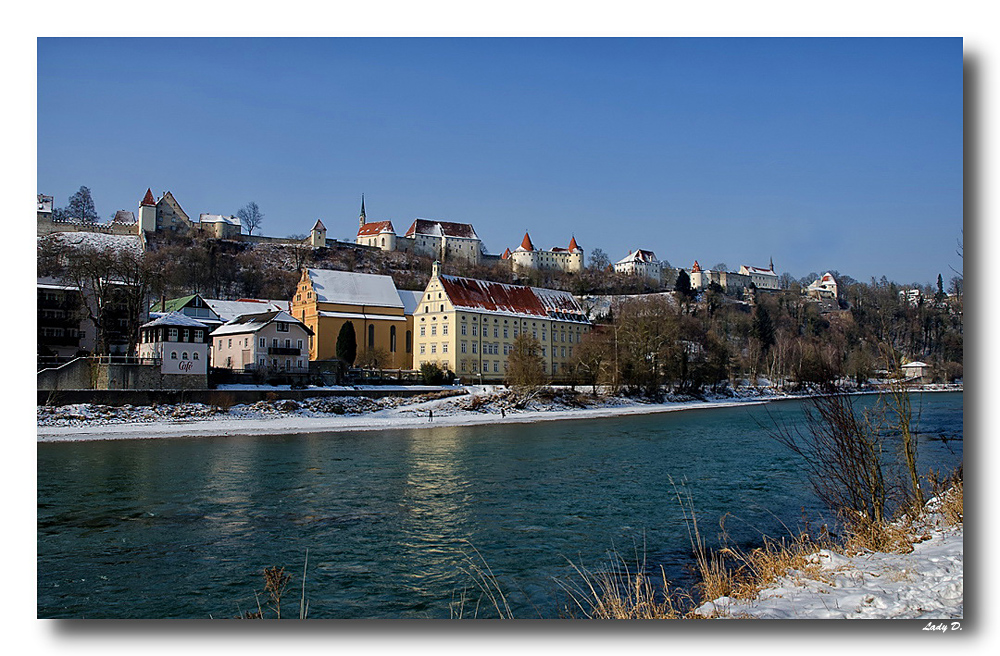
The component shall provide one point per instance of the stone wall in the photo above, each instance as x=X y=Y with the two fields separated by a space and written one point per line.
x=75 y=374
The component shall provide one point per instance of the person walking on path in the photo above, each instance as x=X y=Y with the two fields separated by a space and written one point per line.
x=503 y=413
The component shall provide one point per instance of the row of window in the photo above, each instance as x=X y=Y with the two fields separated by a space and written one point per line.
x=262 y=343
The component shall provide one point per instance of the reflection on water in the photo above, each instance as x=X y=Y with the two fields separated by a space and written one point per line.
x=182 y=528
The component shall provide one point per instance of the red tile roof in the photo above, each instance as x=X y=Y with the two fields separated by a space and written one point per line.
x=506 y=255
x=526 y=243
x=573 y=245
x=375 y=227
x=492 y=296
x=696 y=267
x=489 y=296
x=148 y=198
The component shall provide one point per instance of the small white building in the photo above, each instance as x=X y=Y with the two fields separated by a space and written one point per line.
x=824 y=287
x=641 y=263
x=915 y=371
x=219 y=226
x=180 y=342
x=760 y=277
x=267 y=340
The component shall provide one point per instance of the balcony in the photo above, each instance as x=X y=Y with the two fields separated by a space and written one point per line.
x=283 y=350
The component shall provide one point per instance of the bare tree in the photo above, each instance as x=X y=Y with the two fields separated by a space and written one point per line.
x=526 y=369
x=115 y=284
x=250 y=216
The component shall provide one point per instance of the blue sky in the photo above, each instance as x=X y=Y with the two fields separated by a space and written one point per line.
x=821 y=153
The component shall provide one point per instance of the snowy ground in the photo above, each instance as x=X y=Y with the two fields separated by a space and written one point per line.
x=925 y=584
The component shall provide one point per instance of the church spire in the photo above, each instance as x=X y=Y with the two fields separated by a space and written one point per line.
x=361 y=219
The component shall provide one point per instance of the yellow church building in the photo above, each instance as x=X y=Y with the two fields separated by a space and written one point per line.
x=380 y=315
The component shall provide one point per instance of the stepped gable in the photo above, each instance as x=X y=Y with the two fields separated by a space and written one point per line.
x=489 y=296
x=148 y=199
x=375 y=228
x=441 y=229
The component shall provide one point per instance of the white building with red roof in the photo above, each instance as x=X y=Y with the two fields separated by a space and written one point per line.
x=761 y=278
x=468 y=326
x=641 y=263
x=442 y=240
x=824 y=287
x=526 y=256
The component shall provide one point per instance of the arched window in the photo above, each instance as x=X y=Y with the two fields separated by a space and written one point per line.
x=371 y=336
x=409 y=341
x=392 y=339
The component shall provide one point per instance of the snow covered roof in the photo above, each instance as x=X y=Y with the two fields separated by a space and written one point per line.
x=758 y=271
x=229 y=310
x=175 y=319
x=410 y=300
x=501 y=298
x=57 y=284
x=123 y=216
x=638 y=255
x=375 y=228
x=441 y=229
x=349 y=288
x=219 y=218
x=251 y=323
x=915 y=365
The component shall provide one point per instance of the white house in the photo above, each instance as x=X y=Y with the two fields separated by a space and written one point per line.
x=266 y=340
x=760 y=277
x=180 y=342
x=641 y=263
x=824 y=287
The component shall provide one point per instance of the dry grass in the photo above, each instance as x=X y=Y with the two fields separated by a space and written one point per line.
x=619 y=593
x=952 y=503
x=760 y=568
x=864 y=535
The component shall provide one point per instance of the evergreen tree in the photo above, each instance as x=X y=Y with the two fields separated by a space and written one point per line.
x=762 y=327
x=347 y=344
x=683 y=284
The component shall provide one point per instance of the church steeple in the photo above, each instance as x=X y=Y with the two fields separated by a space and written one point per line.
x=361 y=219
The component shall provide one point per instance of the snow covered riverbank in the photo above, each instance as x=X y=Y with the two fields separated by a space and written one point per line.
x=481 y=405
x=926 y=583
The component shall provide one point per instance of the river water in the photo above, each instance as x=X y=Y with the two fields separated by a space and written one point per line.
x=396 y=523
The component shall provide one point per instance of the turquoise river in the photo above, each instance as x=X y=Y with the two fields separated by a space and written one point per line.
x=396 y=522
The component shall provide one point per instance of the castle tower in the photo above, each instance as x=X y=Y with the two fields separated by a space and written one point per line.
x=317 y=236
x=147 y=213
